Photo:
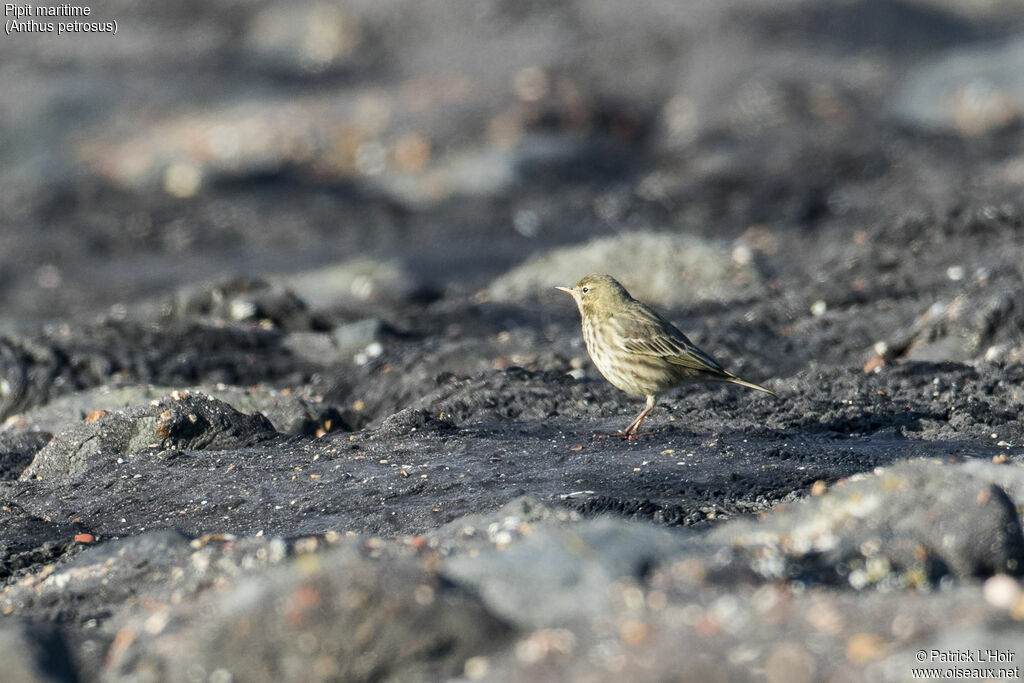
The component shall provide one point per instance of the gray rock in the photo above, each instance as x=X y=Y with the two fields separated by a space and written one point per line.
x=288 y=413
x=302 y=39
x=353 y=343
x=910 y=524
x=962 y=328
x=662 y=268
x=190 y=421
x=971 y=90
x=991 y=646
x=356 y=279
x=560 y=573
x=476 y=172
x=1008 y=476
x=105 y=574
x=333 y=616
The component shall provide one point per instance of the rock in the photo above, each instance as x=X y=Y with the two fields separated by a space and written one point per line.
x=962 y=328
x=410 y=420
x=109 y=573
x=241 y=139
x=288 y=413
x=486 y=531
x=189 y=421
x=303 y=39
x=333 y=616
x=357 y=279
x=17 y=448
x=555 y=575
x=995 y=649
x=910 y=524
x=352 y=343
x=249 y=301
x=971 y=90
x=678 y=270
x=35 y=653
x=1008 y=476
x=28 y=369
x=479 y=171
x=481 y=523
x=36 y=369
x=29 y=541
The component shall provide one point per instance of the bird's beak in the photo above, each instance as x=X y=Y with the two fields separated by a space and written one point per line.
x=567 y=290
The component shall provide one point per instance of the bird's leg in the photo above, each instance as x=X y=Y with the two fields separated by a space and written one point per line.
x=631 y=429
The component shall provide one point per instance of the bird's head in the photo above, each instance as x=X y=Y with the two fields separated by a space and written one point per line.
x=596 y=294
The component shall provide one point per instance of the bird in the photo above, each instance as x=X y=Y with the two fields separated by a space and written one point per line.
x=638 y=350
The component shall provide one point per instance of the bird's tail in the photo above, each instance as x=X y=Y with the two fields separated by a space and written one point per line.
x=750 y=385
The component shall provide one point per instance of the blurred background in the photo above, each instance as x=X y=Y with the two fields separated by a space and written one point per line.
x=418 y=148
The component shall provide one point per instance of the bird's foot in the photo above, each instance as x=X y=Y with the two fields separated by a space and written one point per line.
x=619 y=434
x=629 y=433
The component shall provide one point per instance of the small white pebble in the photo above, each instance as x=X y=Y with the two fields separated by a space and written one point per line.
x=182 y=179
x=994 y=352
x=242 y=309
x=476 y=668
x=742 y=254
x=955 y=273
x=818 y=308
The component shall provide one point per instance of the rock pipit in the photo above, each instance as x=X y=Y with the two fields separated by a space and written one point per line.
x=636 y=349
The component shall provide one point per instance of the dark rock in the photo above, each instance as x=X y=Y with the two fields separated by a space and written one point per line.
x=248 y=300
x=111 y=573
x=513 y=393
x=34 y=371
x=29 y=541
x=17 y=448
x=406 y=422
x=35 y=653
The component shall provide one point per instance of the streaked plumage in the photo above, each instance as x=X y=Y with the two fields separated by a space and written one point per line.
x=636 y=349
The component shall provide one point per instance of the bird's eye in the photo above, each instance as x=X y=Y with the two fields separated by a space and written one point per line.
x=586 y=289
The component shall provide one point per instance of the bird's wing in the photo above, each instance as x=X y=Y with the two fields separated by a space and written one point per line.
x=645 y=332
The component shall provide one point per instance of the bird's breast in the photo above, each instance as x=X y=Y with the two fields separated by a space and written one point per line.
x=641 y=374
